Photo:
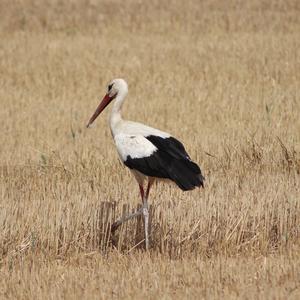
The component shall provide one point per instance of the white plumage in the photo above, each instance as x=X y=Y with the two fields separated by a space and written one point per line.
x=135 y=146
x=135 y=128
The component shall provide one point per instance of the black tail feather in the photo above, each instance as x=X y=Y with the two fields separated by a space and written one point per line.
x=186 y=174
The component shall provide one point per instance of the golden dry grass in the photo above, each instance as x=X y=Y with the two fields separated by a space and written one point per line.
x=221 y=76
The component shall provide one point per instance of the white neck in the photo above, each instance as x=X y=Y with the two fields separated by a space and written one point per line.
x=115 y=115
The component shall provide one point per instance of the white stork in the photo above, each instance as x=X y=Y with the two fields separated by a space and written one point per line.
x=148 y=152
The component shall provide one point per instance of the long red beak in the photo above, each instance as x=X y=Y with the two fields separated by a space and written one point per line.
x=105 y=101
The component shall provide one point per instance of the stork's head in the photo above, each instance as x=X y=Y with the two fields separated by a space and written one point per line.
x=117 y=87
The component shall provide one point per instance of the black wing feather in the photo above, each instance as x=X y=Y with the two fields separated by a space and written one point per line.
x=169 y=161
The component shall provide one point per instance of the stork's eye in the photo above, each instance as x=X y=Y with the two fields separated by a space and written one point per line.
x=110 y=86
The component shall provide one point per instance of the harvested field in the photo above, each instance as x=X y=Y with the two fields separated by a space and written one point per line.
x=223 y=77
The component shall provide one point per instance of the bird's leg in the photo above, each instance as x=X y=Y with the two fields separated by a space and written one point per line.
x=119 y=222
x=142 y=191
x=128 y=217
x=146 y=211
x=146 y=221
x=150 y=182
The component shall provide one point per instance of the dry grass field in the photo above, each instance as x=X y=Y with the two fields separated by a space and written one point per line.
x=222 y=76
